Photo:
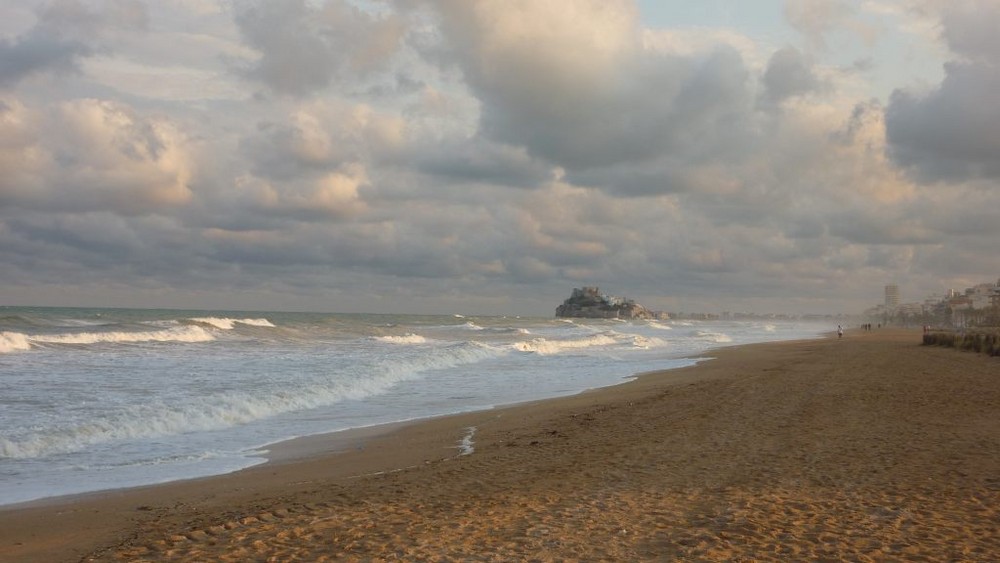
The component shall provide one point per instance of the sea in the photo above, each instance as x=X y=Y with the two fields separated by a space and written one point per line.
x=98 y=399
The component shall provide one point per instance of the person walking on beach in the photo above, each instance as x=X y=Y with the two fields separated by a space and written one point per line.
x=840 y=331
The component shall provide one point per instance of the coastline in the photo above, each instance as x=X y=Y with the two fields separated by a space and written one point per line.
x=816 y=447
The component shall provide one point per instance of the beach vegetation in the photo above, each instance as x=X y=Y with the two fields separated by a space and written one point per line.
x=982 y=341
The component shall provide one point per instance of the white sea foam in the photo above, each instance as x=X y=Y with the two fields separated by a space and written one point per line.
x=13 y=342
x=545 y=347
x=219 y=411
x=229 y=324
x=472 y=326
x=716 y=337
x=466 y=447
x=408 y=338
x=177 y=334
x=647 y=342
x=659 y=326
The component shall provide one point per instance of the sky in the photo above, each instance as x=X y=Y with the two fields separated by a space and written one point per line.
x=487 y=156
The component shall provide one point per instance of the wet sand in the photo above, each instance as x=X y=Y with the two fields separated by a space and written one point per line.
x=866 y=448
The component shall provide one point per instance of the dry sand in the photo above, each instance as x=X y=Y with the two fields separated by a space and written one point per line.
x=869 y=448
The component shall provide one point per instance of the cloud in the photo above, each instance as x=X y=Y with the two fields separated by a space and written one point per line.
x=789 y=73
x=88 y=154
x=332 y=195
x=65 y=33
x=949 y=132
x=478 y=161
x=319 y=136
x=489 y=154
x=37 y=53
x=304 y=47
x=592 y=93
x=817 y=20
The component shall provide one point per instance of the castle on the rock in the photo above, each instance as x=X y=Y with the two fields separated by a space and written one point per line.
x=589 y=302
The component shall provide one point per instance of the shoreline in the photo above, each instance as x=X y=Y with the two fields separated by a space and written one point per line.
x=658 y=446
x=335 y=442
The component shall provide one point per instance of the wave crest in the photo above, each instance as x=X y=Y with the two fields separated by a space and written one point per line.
x=545 y=347
x=177 y=334
x=13 y=342
x=408 y=338
x=716 y=337
x=223 y=323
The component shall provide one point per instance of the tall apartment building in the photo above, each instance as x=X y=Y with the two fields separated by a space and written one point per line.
x=891 y=296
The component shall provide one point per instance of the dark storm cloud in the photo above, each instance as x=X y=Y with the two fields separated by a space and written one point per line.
x=66 y=32
x=36 y=53
x=789 y=74
x=659 y=105
x=951 y=131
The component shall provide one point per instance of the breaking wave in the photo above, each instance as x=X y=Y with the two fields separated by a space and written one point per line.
x=229 y=324
x=178 y=334
x=647 y=342
x=408 y=338
x=15 y=341
x=710 y=336
x=218 y=411
x=545 y=347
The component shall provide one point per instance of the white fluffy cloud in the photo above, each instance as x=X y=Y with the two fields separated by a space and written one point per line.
x=90 y=154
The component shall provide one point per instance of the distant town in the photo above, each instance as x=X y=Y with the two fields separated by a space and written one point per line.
x=591 y=302
x=976 y=306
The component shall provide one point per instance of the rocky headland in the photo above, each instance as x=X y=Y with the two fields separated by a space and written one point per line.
x=589 y=302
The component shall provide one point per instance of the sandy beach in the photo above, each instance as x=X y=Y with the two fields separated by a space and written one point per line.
x=866 y=448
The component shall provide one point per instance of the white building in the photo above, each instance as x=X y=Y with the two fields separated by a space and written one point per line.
x=891 y=296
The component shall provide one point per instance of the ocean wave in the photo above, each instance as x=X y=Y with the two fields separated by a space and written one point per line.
x=545 y=347
x=21 y=322
x=647 y=342
x=408 y=338
x=219 y=411
x=659 y=326
x=223 y=323
x=13 y=342
x=508 y=330
x=716 y=337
